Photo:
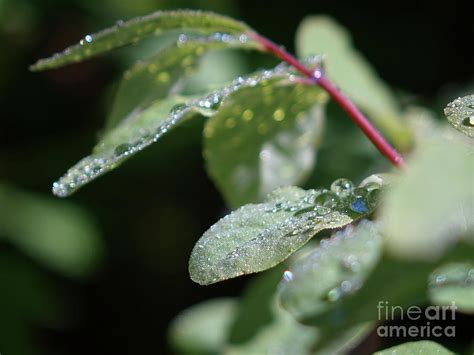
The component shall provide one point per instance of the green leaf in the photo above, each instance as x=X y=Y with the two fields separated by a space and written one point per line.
x=262 y=326
x=28 y=297
x=430 y=207
x=460 y=114
x=142 y=128
x=54 y=233
x=203 y=328
x=135 y=30
x=423 y=347
x=334 y=270
x=257 y=237
x=263 y=137
x=159 y=76
x=256 y=309
x=453 y=283
x=407 y=286
x=353 y=73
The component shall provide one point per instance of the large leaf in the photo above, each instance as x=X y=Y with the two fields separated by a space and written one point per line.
x=460 y=114
x=161 y=75
x=263 y=137
x=203 y=328
x=259 y=236
x=143 y=128
x=334 y=270
x=135 y=30
x=353 y=73
x=453 y=283
x=423 y=347
x=55 y=233
x=431 y=205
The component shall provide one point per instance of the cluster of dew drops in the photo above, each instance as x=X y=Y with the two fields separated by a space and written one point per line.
x=343 y=196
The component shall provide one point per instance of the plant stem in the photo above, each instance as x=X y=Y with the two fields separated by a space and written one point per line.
x=317 y=77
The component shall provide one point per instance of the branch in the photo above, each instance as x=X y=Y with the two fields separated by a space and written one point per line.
x=317 y=77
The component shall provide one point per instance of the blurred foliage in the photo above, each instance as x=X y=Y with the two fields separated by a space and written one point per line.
x=53 y=298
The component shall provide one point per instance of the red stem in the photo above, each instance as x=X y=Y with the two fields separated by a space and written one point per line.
x=317 y=77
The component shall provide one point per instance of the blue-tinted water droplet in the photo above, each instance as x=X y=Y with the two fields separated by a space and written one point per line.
x=358 y=205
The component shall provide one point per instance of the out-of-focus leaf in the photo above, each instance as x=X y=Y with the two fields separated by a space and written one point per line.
x=27 y=298
x=135 y=30
x=262 y=327
x=57 y=234
x=407 y=286
x=460 y=114
x=257 y=237
x=283 y=336
x=355 y=75
x=256 y=310
x=145 y=127
x=263 y=137
x=334 y=270
x=423 y=347
x=431 y=205
x=203 y=328
x=160 y=76
x=453 y=283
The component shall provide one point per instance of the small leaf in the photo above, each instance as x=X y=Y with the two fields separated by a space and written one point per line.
x=353 y=73
x=143 y=128
x=334 y=270
x=453 y=283
x=263 y=137
x=430 y=206
x=135 y=30
x=257 y=237
x=203 y=328
x=54 y=233
x=422 y=347
x=460 y=114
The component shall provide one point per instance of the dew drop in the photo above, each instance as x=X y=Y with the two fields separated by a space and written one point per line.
x=163 y=77
x=247 y=115
x=334 y=294
x=327 y=199
x=122 y=149
x=342 y=187
x=279 y=115
x=288 y=276
x=346 y=286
